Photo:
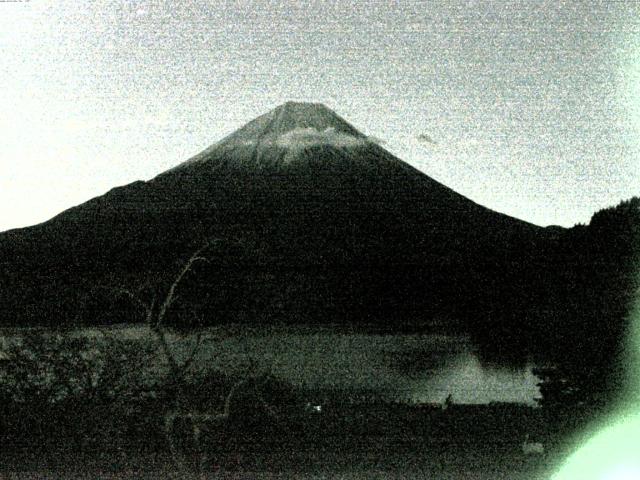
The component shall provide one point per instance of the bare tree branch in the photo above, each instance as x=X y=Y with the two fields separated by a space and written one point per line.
x=155 y=314
x=231 y=394
x=130 y=295
x=192 y=355
x=170 y=298
x=166 y=350
x=149 y=319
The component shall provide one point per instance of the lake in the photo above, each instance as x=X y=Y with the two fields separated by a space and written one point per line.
x=413 y=368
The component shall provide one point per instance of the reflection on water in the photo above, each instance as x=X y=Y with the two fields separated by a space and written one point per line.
x=414 y=368
x=471 y=382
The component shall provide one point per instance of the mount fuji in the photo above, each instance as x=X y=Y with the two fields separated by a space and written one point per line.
x=313 y=222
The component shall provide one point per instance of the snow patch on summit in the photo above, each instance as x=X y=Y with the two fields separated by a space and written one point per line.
x=309 y=136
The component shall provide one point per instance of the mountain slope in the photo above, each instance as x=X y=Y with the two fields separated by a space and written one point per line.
x=317 y=224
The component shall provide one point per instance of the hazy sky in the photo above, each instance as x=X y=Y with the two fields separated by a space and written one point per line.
x=534 y=106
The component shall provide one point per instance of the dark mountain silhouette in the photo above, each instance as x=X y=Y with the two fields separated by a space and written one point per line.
x=318 y=224
x=315 y=223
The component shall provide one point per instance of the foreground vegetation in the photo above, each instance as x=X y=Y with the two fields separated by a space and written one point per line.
x=98 y=401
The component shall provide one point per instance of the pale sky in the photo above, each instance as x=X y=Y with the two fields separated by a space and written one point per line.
x=534 y=106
